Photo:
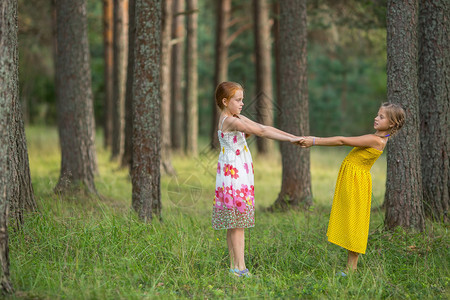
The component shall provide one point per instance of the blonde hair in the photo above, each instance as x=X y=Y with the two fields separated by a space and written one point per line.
x=395 y=114
x=226 y=90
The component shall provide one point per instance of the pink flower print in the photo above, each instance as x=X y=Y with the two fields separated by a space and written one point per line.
x=229 y=170
x=229 y=190
x=226 y=169
x=239 y=200
x=244 y=189
x=218 y=168
x=246 y=167
x=235 y=139
x=218 y=200
x=253 y=170
x=219 y=204
x=228 y=200
x=245 y=193
x=219 y=193
x=238 y=152
x=221 y=134
x=240 y=205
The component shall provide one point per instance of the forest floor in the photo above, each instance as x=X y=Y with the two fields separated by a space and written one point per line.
x=96 y=248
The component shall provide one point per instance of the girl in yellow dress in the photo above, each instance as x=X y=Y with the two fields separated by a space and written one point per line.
x=350 y=212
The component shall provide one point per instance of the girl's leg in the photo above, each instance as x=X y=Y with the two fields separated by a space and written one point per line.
x=238 y=243
x=352 y=260
x=230 y=249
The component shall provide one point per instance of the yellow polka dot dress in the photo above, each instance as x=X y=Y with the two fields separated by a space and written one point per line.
x=350 y=212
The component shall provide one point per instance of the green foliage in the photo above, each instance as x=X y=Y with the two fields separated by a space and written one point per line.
x=97 y=249
x=346 y=57
x=345 y=92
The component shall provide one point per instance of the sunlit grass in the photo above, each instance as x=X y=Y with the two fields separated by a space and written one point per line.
x=96 y=248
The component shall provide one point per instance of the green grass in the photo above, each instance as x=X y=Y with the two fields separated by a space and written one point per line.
x=97 y=248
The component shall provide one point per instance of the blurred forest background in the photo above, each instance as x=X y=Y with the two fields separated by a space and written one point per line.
x=77 y=238
x=346 y=62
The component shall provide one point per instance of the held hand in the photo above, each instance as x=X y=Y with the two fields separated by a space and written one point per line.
x=297 y=140
x=307 y=142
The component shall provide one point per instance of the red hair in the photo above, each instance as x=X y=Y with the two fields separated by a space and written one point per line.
x=226 y=90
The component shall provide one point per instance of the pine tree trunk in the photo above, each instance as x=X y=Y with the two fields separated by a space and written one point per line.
x=9 y=93
x=21 y=194
x=119 y=77
x=434 y=92
x=221 y=59
x=145 y=172
x=264 y=90
x=177 y=102
x=296 y=176
x=276 y=49
x=192 y=79
x=127 y=154
x=403 y=198
x=166 y=55
x=74 y=99
x=108 y=52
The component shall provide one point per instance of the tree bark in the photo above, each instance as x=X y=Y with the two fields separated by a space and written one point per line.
x=264 y=90
x=434 y=104
x=119 y=77
x=221 y=60
x=192 y=79
x=21 y=194
x=276 y=49
x=403 y=198
x=166 y=55
x=128 y=147
x=9 y=93
x=296 y=176
x=145 y=172
x=177 y=66
x=74 y=99
x=108 y=52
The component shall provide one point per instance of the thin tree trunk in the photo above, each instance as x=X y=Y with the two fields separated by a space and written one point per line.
x=434 y=90
x=264 y=90
x=74 y=99
x=177 y=76
x=119 y=77
x=403 y=198
x=127 y=154
x=192 y=79
x=108 y=52
x=296 y=176
x=221 y=59
x=166 y=55
x=276 y=50
x=9 y=92
x=145 y=172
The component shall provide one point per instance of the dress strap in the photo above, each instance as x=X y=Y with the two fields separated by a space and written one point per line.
x=221 y=124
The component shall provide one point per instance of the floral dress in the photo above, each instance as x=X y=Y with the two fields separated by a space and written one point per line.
x=234 y=201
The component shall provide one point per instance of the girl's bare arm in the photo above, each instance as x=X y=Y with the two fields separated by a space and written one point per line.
x=368 y=140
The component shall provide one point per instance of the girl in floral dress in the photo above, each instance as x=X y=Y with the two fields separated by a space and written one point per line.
x=234 y=201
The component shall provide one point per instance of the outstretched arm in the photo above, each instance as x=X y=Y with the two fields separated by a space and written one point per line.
x=247 y=126
x=368 y=140
x=247 y=120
